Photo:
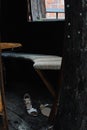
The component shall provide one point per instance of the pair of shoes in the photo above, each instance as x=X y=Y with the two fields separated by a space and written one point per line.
x=28 y=104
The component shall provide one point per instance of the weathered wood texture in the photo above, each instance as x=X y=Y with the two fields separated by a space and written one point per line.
x=72 y=113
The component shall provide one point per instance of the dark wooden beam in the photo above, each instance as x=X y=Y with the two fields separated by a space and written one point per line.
x=72 y=114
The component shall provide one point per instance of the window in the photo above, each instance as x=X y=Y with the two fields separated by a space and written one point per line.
x=41 y=10
x=55 y=9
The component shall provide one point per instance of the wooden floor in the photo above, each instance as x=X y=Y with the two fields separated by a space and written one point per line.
x=18 y=118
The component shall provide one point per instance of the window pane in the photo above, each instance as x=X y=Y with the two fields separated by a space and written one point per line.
x=55 y=9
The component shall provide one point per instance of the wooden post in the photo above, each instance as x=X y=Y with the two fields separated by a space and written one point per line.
x=72 y=112
x=3 y=113
x=2 y=99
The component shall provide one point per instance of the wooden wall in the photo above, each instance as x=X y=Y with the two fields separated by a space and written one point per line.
x=47 y=37
x=37 y=37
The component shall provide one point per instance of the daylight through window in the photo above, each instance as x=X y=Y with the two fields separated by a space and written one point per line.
x=41 y=10
x=55 y=9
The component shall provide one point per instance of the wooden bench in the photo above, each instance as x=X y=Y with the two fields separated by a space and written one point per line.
x=43 y=62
